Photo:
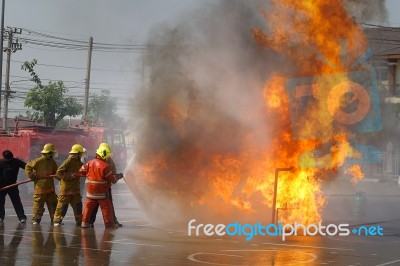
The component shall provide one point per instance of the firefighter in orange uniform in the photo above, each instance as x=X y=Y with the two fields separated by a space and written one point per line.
x=98 y=180
x=70 y=193
x=40 y=170
x=111 y=163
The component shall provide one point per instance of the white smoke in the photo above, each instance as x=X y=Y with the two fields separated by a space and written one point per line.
x=367 y=11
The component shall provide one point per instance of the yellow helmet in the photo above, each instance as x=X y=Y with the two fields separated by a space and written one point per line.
x=48 y=148
x=107 y=146
x=76 y=148
x=103 y=152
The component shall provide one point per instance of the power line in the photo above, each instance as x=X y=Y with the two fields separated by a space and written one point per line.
x=49 y=50
x=36 y=38
x=72 y=67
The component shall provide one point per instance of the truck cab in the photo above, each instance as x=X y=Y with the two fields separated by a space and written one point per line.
x=116 y=139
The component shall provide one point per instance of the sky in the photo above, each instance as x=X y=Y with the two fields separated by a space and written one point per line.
x=109 y=22
x=120 y=22
x=393 y=7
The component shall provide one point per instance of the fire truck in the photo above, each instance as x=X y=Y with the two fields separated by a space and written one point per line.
x=27 y=142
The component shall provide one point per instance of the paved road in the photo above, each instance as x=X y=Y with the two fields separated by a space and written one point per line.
x=139 y=243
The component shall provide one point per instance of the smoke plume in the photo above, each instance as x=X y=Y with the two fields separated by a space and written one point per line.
x=201 y=102
x=368 y=11
x=204 y=137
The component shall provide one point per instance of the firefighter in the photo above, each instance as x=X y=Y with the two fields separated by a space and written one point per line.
x=40 y=171
x=70 y=193
x=111 y=163
x=98 y=180
x=9 y=168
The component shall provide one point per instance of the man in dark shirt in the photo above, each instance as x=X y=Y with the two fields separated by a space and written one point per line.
x=9 y=168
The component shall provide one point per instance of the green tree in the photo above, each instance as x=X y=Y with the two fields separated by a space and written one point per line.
x=48 y=101
x=103 y=110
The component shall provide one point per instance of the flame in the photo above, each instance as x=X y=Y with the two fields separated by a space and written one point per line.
x=356 y=172
x=313 y=40
x=241 y=178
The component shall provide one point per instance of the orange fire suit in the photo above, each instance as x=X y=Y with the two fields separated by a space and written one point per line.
x=39 y=171
x=113 y=168
x=98 y=180
x=70 y=193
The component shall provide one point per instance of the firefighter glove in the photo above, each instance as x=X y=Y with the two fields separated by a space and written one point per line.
x=33 y=176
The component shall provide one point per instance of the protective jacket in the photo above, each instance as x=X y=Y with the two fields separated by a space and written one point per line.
x=9 y=171
x=39 y=171
x=99 y=177
x=69 y=184
x=112 y=165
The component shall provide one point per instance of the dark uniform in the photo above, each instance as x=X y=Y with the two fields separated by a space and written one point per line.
x=8 y=175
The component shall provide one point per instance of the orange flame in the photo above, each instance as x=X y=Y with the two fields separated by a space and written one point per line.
x=309 y=34
x=356 y=172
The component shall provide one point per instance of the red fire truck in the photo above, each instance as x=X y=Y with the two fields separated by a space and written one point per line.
x=27 y=142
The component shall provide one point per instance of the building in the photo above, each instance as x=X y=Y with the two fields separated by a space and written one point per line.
x=385 y=45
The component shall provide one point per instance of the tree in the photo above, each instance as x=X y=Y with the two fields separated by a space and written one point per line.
x=103 y=110
x=48 y=101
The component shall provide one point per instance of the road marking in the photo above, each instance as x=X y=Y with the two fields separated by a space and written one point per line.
x=103 y=250
x=118 y=240
x=388 y=263
x=141 y=225
x=131 y=243
x=54 y=232
x=192 y=256
x=13 y=235
x=301 y=246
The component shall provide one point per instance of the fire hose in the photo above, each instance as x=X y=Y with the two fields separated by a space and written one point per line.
x=23 y=182
x=120 y=175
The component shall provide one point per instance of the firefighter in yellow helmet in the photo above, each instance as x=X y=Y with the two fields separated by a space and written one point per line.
x=70 y=193
x=40 y=171
x=111 y=163
x=98 y=181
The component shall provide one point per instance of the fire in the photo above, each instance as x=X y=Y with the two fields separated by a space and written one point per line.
x=356 y=172
x=313 y=40
x=206 y=159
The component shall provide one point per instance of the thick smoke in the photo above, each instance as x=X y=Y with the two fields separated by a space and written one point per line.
x=367 y=11
x=203 y=97
x=201 y=108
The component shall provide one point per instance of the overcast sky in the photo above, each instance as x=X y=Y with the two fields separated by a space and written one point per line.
x=117 y=21
x=121 y=22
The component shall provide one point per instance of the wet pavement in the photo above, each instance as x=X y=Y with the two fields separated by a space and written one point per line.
x=139 y=243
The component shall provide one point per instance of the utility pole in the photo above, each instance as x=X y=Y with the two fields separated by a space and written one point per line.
x=12 y=48
x=87 y=83
x=1 y=49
